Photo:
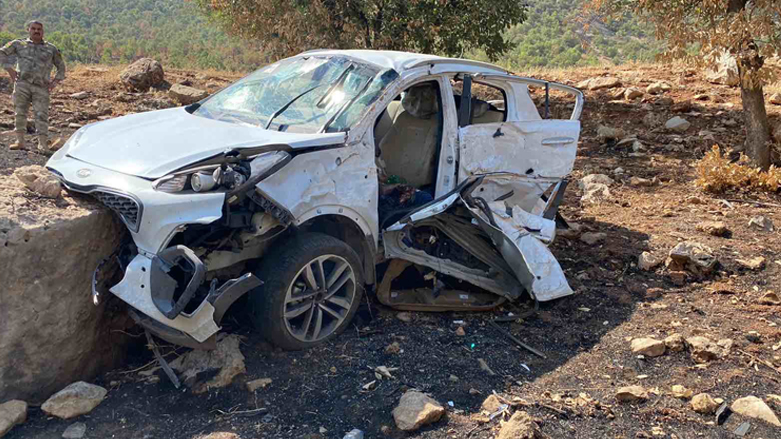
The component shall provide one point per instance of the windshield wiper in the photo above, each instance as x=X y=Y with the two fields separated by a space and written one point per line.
x=286 y=106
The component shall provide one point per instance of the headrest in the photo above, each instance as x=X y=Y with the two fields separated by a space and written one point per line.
x=479 y=108
x=421 y=101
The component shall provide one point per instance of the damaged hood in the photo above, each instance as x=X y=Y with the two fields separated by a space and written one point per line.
x=153 y=144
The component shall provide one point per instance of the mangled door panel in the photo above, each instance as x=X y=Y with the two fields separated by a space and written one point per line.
x=540 y=148
x=507 y=243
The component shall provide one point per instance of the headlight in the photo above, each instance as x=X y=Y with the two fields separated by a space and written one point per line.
x=203 y=181
x=171 y=183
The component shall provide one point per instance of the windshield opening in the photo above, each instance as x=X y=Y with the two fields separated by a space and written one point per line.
x=301 y=95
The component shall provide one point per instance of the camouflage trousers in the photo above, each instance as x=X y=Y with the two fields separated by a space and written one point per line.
x=25 y=94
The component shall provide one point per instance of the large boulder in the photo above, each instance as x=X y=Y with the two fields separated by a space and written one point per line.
x=142 y=75
x=725 y=71
x=50 y=332
x=186 y=95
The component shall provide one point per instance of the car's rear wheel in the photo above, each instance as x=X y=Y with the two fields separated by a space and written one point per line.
x=312 y=289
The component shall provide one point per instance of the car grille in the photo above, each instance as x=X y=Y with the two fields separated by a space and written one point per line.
x=127 y=208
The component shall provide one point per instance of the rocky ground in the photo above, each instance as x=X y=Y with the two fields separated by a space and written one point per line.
x=704 y=320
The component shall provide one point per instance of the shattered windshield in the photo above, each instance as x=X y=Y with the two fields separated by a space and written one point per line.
x=301 y=95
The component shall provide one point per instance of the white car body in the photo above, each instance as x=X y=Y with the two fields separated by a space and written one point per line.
x=334 y=175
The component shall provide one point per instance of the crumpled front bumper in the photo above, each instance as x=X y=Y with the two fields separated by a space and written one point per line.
x=144 y=289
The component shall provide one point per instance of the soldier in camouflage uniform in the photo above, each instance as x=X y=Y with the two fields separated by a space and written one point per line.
x=32 y=80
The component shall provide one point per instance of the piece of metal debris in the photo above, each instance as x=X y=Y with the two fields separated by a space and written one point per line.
x=484 y=367
x=722 y=413
x=164 y=364
x=742 y=429
x=518 y=342
x=502 y=409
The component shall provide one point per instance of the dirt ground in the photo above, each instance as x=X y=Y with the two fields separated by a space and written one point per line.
x=586 y=337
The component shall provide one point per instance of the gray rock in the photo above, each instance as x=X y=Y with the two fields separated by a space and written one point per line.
x=714 y=228
x=754 y=407
x=725 y=71
x=404 y=316
x=647 y=262
x=631 y=394
x=652 y=120
x=702 y=350
x=648 y=346
x=605 y=133
x=77 y=399
x=415 y=410
x=186 y=95
x=12 y=413
x=678 y=124
x=761 y=223
x=592 y=179
x=260 y=383
x=658 y=88
x=142 y=75
x=596 y=193
x=80 y=95
x=692 y=256
x=75 y=431
x=633 y=93
x=491 y=404
x=226 y=358
x=354 y=434
x=521 y=426
x=39 y=180
x=600 y=83
x=592 y=238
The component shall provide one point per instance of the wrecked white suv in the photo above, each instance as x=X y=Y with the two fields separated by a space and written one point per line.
x=323 y=174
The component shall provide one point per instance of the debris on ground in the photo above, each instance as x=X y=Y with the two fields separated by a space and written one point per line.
x=682 y=392
x=675 y=343
x=259 y=383
x=756 y=263
x=753 y=407
x=648 y=347
x=714 y=228
x=354 y=434
x=393 y=348
x=692 y=256
x=678 y=124
x=226 y=359
x=12 y=413
x=77 y=399
x=648 y=262
x=491 y=404
x=592 y=238
x=761 y=223
x=75 y=431
x=415 y=410
x=770 y=298
x=702 y=350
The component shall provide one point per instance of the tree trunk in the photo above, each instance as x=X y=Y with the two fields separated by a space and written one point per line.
x=757 y=125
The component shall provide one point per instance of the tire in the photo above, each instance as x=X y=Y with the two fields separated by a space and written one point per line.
x=286 y=309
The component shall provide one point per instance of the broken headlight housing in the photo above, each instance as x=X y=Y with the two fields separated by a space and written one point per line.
x=225 y=176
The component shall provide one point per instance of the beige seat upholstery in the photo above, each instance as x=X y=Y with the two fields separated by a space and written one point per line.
x=409 y=146
x=483 y=113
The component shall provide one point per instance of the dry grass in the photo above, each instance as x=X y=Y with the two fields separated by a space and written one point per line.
x=716 y=173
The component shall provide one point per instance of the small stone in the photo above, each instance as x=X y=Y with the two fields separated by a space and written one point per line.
x=726 y=344
x=80 y=95
x=702 y=349
x=573 y=232
x=322 y=430
x=714 y=228
x=39 y=180
x=658 y=88
x=12 y=413
x=594 y=179
x=647 y=262
x=675 y=343
x=677 y=124
x=633 y=93
x=652 y=120
x=692 y=256
x=460 y=331
x=605 y=133
x=521 y=426
x=226 y=360
x=761 y=223
x=260 y=383
x=595 y=193
x=757 y=263
x=775 y=99
x=491 y=404
x=600 y=83
x=648 y=346
x=77 y=399
x=74 y=125
x=415 y=410
x=754 y=337
x=404 y=317
x=386 y=430
x=753 y=407
x=474 y=392
x=393 y=348
x=75 y=431
x=592 y=238
x=186 y=95
x=631 y=394
x=703 y=403
x=682 y=392
x=770 y=298
x=453 y=379
x=639 y=182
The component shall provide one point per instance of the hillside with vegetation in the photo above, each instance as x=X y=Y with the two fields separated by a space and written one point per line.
x=556 y=33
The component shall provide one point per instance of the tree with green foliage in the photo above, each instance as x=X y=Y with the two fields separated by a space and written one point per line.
x=447 y=27
x=749 y=30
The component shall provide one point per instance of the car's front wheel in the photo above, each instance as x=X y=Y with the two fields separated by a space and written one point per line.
x=312 y=288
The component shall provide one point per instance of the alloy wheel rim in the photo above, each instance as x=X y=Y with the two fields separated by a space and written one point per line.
x=319 y=298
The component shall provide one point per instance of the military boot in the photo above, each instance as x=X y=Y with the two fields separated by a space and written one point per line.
x=20 y=144
x=43 y=143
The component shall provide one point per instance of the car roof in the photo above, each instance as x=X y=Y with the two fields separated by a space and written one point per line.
x=402 y=61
